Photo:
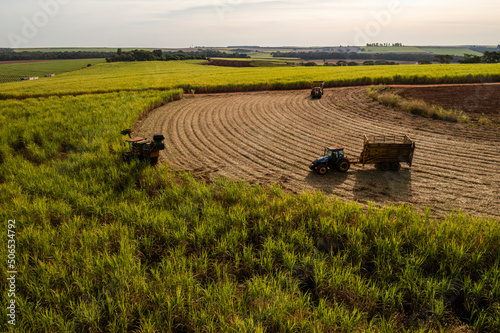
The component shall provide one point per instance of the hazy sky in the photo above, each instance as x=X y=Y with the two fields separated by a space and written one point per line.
x=155 y=23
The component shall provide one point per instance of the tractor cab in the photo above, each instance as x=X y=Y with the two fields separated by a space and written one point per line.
x=334 y=152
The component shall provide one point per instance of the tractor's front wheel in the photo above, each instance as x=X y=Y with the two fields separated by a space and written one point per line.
x=343 y=165
x=126 y=157
x=322 y=169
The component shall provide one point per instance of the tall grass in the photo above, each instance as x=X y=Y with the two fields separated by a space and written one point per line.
x=104 y=246
x=390 y=98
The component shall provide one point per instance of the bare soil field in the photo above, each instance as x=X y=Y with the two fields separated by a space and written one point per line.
x=475 y=100
x=264 y=137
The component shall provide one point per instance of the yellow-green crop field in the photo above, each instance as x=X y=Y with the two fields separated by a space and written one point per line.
x=104 y=246
x=190 y=75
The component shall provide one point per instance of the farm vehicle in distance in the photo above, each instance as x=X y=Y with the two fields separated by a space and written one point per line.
x=386 y=152
x=141 y=149
x=317 y=89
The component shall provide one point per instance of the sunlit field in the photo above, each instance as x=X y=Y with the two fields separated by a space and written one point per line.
x=105 y=246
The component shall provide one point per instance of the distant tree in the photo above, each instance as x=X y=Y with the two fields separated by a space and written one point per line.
x=424 y=61
x=158 y=54
x=341 y=63
x=352 y=63
x=470 y=59
x=368 y=63
x=491 y=57
x=443 y=58
x=119 y=51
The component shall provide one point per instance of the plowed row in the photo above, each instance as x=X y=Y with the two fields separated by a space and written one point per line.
x=273 y=136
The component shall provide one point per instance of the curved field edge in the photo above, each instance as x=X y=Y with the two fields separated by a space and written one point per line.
x=273 y=136
x=191 y=76
x=107 y=246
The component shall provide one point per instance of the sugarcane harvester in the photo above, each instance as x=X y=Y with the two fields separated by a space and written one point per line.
x=142 y=149
x=386 y=152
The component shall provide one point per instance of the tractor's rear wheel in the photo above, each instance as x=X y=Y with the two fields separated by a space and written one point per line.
x=395 y=166
x=322 y=169
x=384 y=166
x=343 y=165
x=153 y=160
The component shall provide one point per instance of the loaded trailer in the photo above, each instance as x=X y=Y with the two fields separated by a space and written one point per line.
x=387 y=152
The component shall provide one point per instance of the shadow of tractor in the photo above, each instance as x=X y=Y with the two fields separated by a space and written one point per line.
x=326 y=183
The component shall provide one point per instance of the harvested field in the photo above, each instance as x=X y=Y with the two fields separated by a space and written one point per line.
x=273 y=136
x=475 y=100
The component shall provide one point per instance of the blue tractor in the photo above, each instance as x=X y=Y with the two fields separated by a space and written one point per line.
x=334 y=158
x=385 y=151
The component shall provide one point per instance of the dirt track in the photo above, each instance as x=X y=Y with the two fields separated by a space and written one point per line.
x=273 y=136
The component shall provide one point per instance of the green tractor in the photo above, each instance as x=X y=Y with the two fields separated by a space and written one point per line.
x=141 y=149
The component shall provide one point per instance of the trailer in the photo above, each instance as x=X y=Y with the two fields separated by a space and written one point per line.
x=387 y=152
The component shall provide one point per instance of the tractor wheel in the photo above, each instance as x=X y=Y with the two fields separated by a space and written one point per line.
x=154 y=160
x=322 y=169
x=126 y=157
x=395 y=166
x=384 y=166
x=343 y=165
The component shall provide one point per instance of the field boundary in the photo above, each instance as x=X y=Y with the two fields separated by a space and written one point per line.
x=254 y=89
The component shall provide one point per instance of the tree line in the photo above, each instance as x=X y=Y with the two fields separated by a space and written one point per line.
x=38 y=55
x=7 y=54
x=159 y=55
x=489 y=57
x=354 y=56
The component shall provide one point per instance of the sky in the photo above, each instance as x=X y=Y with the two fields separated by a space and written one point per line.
x=212 y=23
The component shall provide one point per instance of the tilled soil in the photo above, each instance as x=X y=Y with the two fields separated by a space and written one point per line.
x=268 y=137
x=475 y=100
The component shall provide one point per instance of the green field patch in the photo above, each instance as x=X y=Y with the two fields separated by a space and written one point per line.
x=76 y=49
x=391 y=49
x=450 y=51
x=18 y=70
